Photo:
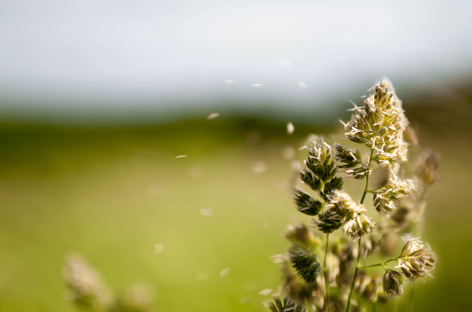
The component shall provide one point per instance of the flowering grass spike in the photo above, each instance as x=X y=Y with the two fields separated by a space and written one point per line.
x=380 y=126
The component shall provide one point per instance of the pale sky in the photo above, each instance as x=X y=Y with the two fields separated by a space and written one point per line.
x=112 y=53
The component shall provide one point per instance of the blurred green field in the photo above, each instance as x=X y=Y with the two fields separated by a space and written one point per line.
x=112 y=194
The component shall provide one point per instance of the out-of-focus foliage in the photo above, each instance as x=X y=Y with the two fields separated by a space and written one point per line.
x=113 y=194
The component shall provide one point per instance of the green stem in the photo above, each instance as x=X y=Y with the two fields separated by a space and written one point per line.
x=326 y=274
x=321 y=192
x=355 y=275
x=370 y=266
x=379 y=264
x=359 y=241
x=367 y=179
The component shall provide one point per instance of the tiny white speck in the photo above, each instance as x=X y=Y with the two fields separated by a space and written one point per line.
x=159 y=248
x=363 y=96
x=278 y=260
x=154 y=190
x=181 y=156
x=288 y=152
x=256 y=85
x=206 y=212
x=312 y=137
x=196 y=171
x=265 y=292
x=258 y=167
x=279 y=291
x=290 y=128
x=224 y=272
x=202 y=275
x=229 y=81
x=301 y=85
x=213 y=116
x=253 y=137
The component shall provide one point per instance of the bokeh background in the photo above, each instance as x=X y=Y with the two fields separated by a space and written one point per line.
x=97 y=99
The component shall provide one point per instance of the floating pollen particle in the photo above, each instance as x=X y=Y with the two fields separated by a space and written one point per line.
x=258 y=167
x=265 y=292
x=213 y=116
x=202 y=275
x=256 y=85
x=224 y=272
x=290 y=128
x=229 y=81
x=277 y=258
x=154 y=190
x=281 y=185
x=288 y=152
x=206 y=212
x=301 y=85
x=159 y=248
x=267 y=303
x=196 y=171
x=181 y=156
x=253 y=137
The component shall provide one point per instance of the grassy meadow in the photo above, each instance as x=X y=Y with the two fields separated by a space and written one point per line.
x=112 y=194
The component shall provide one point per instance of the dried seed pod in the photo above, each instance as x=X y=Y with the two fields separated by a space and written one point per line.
x=305 y=264
x=285 y=305
x=417 y=259
x=85 y=287
x=392 y=283
x=300 y=234
x=358 y=226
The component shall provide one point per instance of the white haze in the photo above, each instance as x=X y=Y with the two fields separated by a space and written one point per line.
x=123 y=54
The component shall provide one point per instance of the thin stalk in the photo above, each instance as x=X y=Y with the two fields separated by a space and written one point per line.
x=370 y=266
x=355 y=276
x=326 y=273
x=321 y=191
x=359 y=240
x=379 y=264
x=366 y=184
